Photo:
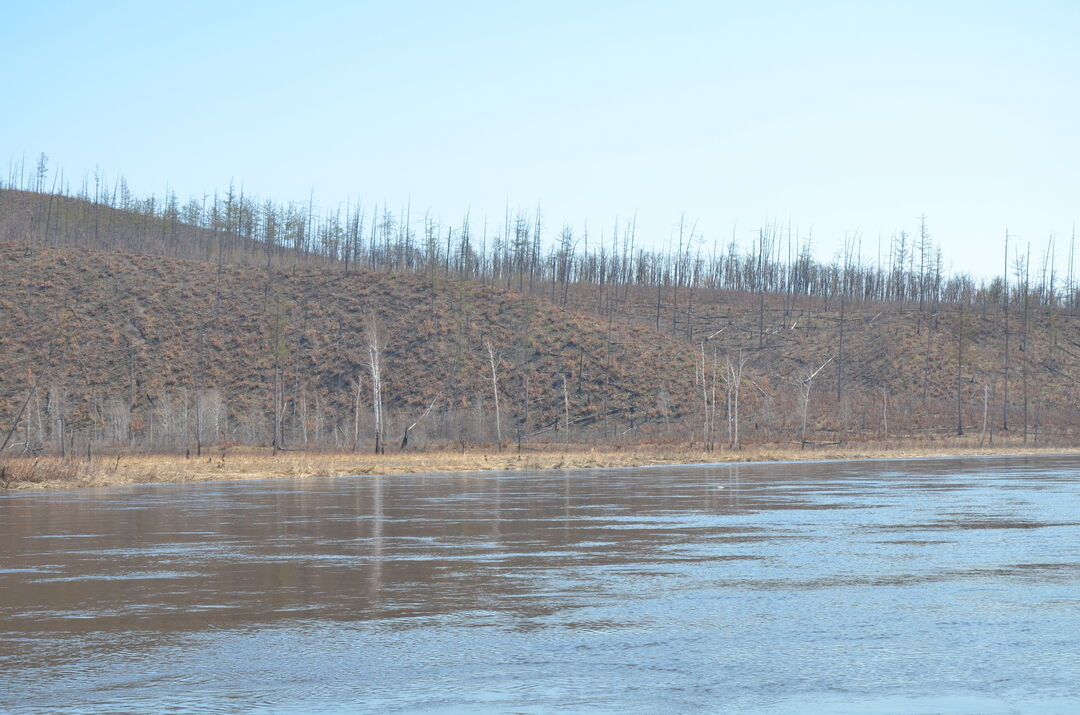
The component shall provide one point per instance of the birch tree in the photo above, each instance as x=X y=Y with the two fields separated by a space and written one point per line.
x=734 y=377
x=805 y=384
x=375 y=365
x=495 y=391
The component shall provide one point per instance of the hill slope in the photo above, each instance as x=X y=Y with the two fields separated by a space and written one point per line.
x=263 y=336
x=128 y=347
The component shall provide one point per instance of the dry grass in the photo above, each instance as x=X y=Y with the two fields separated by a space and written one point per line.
x=244 y=463
x=40 y=471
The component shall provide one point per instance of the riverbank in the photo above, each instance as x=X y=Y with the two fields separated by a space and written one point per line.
x=248 y=463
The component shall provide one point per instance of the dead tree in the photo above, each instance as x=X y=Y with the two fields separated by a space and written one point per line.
x=706 y=443
x=495 y=390
x=885 y=411
x=733 y=378
x=356 y=413
x=1005 y=302
x=278 y=352
x=712 y=399
x=708 y=395
x=566 y=408
x=804 y=385
x=986 y=407
x=18 y=417
x=959 y=368
x=375 y=365
x=405 y=437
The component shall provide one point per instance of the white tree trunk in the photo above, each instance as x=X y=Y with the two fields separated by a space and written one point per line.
x=375 y=365
x=356 y=414
x=495 y=390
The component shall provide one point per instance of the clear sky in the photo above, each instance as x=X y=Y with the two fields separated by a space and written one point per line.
x=841 y=116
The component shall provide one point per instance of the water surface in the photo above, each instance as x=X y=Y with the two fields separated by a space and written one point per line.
x=889 y=586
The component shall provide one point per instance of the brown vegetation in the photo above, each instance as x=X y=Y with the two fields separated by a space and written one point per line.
x=347 y=330
x=244 y=463
x=132 y=350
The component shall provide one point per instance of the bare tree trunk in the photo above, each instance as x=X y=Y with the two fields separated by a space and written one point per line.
x=738 y=390
x=840 y=352
x=198 y=422
x=805 y=384
x=279 y=408
x=566 y=409
x=805 y=399
x=705 y=401
x=1005 y=278
x=495 y=390
x=15 y=422
x=356 y=414
x=986 y=405
x=959 y=368
x=734 y=376
x=525 y=407
x=730 y=412
x=885 y=410
x=1024 y=337
x=405 y=437
x=712 y=397
x=375 y=365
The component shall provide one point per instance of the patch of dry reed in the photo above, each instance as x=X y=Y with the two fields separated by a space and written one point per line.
x=250 y=463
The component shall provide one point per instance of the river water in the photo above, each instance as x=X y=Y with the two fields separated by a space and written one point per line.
x=867 y=586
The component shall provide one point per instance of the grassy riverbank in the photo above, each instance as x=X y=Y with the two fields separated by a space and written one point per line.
x=243 y=463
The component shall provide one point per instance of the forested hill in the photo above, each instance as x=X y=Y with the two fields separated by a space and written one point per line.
x=136 y=348
x=146 y=324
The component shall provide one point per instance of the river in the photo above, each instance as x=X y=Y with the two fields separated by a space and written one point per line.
x=947 y=585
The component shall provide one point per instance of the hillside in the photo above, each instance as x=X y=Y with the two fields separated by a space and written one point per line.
x=235 y=322
x=129 y=348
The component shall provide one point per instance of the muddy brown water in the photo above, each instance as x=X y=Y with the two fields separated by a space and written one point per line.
x=948 y=585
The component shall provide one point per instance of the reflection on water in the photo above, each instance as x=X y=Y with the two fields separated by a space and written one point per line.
x=904 y=586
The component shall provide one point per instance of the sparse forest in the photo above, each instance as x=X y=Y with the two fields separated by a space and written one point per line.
x=151 y=324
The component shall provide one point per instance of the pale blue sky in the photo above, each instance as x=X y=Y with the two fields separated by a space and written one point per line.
x=844 y=116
